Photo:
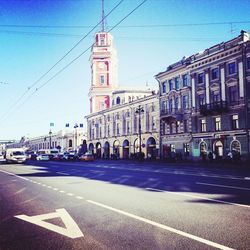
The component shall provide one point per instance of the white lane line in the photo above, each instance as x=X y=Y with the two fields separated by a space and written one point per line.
x=62 y=173
x=156 y=224
x=247 y=178
x=56 y=189
x=70 y=194
x=79 y=197
x=9 y=173
x=61 y=191
x=216 y=185
x=198 y=197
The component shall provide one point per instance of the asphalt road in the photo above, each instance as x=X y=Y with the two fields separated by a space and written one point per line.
x=123 y=205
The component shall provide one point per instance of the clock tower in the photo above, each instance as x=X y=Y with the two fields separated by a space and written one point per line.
x=103 y=61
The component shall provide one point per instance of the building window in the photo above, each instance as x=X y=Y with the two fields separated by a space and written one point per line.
x=185 y=80
x=153 y=123
x=118 y=100
x=102 y=105
x=176 y=103
x=248 y=63
x=201 y=99
x=215 y=74
x=170 y=105
x=171 y=85
x=118 y=129
x=177 y=125
x=231 y=68
x=102 y=79
x=172 y=127
x=215 y=97
x=233 y=94
x=164 y=87
x=128 y=127
x=185 y=102
x=235 y=121
x=203 y=125
x=217 y=121
x=177 y=83
x=201 y=78
x=108 y=130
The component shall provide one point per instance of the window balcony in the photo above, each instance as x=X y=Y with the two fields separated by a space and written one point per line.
x=172 y=114
x=214 y=108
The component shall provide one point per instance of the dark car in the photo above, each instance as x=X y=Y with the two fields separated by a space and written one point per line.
x=33 y=157
x=70 y=157
x=58 y=157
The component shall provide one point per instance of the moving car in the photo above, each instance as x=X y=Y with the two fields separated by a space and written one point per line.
x=87 y=157
x=2 y=159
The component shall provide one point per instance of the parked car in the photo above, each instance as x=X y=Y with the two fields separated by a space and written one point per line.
x=58 y=157
x=15 y=155
x=87 y=157
x=2 y=159
x=70 y=156
x=42 y=157
x=33 y=157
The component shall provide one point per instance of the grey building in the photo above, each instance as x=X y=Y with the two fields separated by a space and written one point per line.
x=204 y=102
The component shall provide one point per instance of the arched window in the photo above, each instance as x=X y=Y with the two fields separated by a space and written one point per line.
x=118 y=100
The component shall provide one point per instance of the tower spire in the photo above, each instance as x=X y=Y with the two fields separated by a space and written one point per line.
x=103 y=24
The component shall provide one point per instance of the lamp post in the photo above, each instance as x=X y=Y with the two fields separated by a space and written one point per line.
x=75 y=127
x=50 y=133
x=139 y=111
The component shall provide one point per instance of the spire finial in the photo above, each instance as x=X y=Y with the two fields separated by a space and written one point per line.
x=103 y=24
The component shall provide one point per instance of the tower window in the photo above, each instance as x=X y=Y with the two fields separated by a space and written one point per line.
x=102 y=79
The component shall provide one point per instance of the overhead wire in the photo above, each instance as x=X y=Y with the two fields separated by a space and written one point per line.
x=123 y=26
x=40 y=78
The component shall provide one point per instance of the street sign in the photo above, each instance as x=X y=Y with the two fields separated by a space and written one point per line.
x=70 y=230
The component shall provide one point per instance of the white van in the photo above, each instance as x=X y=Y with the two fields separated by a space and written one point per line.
x=16 y=155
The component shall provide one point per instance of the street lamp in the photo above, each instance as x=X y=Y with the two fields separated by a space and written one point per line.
x=75 y=127
x=139 y=111
x=50 y=133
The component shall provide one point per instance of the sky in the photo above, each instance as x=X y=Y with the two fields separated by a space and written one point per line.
x=36 y=34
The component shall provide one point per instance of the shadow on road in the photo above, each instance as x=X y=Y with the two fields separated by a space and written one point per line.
x=195 y=181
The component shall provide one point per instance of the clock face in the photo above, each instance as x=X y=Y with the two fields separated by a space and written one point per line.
x=101 y=65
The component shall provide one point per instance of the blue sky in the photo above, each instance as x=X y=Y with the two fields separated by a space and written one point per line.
x=180 y=28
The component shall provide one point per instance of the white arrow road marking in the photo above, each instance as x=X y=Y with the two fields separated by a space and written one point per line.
x=71 y=229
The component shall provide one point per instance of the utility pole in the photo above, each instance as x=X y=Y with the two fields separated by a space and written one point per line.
x=139 y=111
x=50 y=133
x=75 y=127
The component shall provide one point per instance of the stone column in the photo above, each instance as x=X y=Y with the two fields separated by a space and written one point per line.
x=207 y=86
x=241 y=80
x=222 y=82
x=193 y=90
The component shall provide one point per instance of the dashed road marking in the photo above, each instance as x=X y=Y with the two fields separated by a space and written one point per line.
x=39 y=219
x=224 y=186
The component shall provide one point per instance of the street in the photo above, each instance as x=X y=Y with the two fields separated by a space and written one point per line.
x=123 y=205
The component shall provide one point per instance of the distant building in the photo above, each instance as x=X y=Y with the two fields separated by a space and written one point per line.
x=212 y=89
x=63 y=140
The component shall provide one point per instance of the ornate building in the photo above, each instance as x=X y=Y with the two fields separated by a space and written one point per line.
x=208 y=112
x=175 y=110
x=122 y=121
x=126 y=128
